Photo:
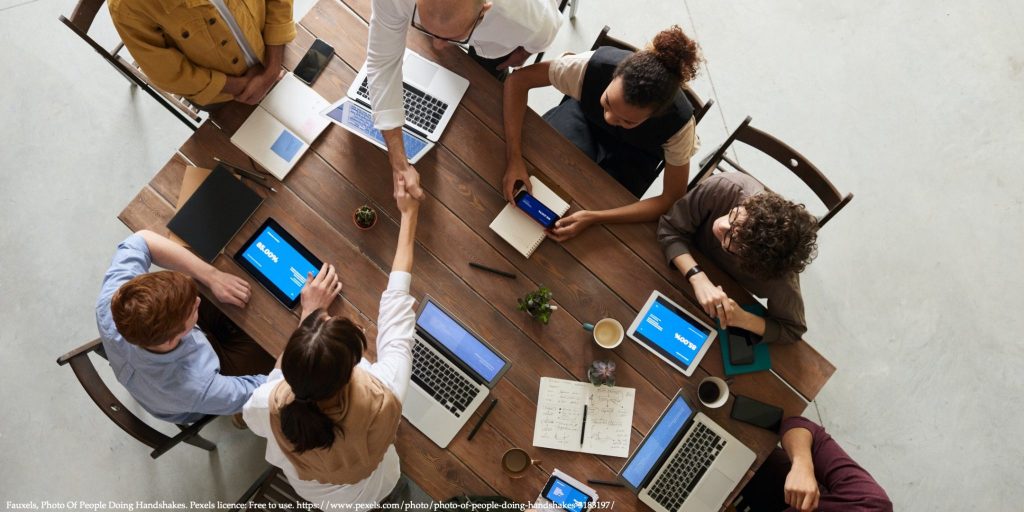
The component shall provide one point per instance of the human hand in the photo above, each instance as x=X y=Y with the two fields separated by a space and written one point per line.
x=801 y=489
x=320 y=291
x=571 y=225
x=407 y=204
x=713 y=299
x=515 y=59
x=515 y=170
x=259 y=86
x=228 y=288
x=409 y=179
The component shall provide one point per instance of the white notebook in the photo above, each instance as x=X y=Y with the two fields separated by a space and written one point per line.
x=521 y=231
x=560 y=420
x=283 y=126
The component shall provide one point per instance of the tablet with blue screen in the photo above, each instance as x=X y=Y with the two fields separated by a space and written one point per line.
x=278 y=261
x=672 y=333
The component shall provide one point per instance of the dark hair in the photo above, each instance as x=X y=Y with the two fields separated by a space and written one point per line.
x=317 y=363
x=776 y=237
x=150 y=309
x=651 y=77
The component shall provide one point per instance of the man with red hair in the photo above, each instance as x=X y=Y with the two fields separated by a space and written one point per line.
x=147 y=322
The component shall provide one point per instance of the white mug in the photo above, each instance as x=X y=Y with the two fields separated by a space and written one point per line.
x=608 y=332
x=713 y=392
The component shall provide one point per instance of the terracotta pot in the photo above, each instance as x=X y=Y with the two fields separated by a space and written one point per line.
x=360 y=226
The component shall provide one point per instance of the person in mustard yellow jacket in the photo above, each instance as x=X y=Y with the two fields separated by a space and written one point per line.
x=209 y=51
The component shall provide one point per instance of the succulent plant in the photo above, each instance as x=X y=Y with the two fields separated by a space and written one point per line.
x=365 y=216
x=538 y=304
x=602 y=373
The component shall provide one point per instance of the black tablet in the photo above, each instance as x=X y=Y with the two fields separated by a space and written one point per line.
x=278 y=262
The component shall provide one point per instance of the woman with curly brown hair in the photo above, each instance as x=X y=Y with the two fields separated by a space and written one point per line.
x=625 y=110
x=762 y=240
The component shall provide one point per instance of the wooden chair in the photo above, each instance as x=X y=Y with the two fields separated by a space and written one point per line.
x=784 y=155
x=90 y=379
x=80 y=22
x=272 y=490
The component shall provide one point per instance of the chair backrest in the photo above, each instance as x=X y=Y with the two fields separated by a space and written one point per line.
x=700 y=107
x=78 y=360
x=272 y=487
x=788 y=157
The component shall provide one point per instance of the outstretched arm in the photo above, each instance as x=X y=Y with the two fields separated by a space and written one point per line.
x=517 y=88
x=226 y=288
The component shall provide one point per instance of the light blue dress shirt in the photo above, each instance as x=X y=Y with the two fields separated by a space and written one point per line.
x=179 y=386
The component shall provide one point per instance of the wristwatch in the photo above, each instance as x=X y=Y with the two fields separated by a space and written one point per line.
x=694 y=270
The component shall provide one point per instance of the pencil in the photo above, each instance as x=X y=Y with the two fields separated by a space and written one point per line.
x=583 y=427
x=258 y=182
x=605 y=482
x=480 y=422
x=492 y=270
x=253 y=175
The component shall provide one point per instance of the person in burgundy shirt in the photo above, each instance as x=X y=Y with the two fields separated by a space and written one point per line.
x=811 y=472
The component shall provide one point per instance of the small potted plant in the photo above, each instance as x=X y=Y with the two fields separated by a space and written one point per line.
x=538 y=305
x=602 y=373
x=364 y=217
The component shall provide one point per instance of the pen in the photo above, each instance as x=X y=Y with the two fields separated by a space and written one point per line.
x=253 y=175
x=492 y=270
x=480 y=422
x=258 y=182
x=583 y=426
x=605 y=482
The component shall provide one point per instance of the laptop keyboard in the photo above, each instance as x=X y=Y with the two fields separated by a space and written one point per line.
x=437 y=377
x=686 y=467
x=422 y=110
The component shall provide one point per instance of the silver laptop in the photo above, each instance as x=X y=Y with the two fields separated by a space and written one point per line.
x=431 y=95
x=453 y=370
x=687 y=462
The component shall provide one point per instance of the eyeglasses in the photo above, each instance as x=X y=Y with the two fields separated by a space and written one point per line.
x=730 y=234
x=421 y=28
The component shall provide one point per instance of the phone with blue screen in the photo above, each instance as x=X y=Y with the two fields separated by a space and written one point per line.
x=565 y=496
x=535 y=209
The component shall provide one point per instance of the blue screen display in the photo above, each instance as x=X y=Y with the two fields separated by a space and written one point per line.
x=566 y=496
x=460 y=342
x=279 y=262
x=534 y=208
x=359 y=119
x=656 y=442
x=672 y=332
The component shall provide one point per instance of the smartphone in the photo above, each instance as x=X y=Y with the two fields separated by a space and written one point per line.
x=757 y=413
x=565 y=496
x=535 y=209
x=741 y=347
x=314 y=61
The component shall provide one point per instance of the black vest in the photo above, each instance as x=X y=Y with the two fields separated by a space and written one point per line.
x=649 y=135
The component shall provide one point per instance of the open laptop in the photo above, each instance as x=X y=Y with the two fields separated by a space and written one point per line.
x=453 y=370
x=687 y=462
x=431 y=94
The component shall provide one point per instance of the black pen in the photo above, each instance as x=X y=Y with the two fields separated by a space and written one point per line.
x=253 y=175
x=605 y=482
x=583 y=427
x=492 y=270
x=480 y=422
x=260 y=183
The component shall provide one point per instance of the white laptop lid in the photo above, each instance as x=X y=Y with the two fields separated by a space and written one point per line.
x=672 y=333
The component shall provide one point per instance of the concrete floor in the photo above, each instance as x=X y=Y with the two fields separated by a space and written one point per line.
x=914 y=106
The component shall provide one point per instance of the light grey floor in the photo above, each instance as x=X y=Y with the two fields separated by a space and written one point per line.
x=914 y=106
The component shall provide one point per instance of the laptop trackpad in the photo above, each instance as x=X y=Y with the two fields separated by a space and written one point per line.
x=714 y=488
x=417 y=405
x=418 y=70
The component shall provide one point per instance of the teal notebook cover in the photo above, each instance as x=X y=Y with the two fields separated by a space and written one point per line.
x=762 y=360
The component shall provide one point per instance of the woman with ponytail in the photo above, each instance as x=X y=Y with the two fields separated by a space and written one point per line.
x=329 y=415
x=626 y=111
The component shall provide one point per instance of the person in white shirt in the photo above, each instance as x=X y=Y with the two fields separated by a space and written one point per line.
x=508 y=29
x=329 y=415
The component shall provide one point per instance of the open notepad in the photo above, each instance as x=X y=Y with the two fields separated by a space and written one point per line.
x=283 y=126
x=521 y=231
x=560 y=417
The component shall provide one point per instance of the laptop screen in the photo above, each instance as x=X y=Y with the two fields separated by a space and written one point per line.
x=460 y=342
x=358 y=119
x=658 y=440
x=671 y=332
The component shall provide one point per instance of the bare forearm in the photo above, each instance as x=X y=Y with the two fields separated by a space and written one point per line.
x=396 y=148
x=513 y=111
x=172 y=256
x=406 y=243
x=797 y=443
x=274 y=59
x=640 y=211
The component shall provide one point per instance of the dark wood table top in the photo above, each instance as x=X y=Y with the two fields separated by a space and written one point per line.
x=606 y=271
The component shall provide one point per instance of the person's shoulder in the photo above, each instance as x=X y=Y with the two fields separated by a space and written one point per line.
x=128 y=8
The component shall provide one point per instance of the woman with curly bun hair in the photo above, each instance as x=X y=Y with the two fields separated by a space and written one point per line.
x=762 y=240
x=625 y=110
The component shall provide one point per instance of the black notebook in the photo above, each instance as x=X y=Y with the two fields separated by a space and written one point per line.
x=214 y=213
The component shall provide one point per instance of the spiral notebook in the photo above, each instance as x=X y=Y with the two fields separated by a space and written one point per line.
x=521 y=231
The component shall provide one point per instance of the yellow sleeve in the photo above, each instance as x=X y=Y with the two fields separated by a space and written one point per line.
x=280 y=25
x=166 y=67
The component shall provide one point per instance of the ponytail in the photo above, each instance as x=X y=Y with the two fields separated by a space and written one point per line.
x=317 y=363
x=652 y=76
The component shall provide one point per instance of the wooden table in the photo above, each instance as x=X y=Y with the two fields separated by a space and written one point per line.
x=606 y=271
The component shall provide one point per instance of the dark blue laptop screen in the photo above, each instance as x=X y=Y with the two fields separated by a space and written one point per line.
x=460 y=342
x=672 y=333
x=656 y=443
x=279 y=262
